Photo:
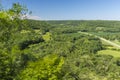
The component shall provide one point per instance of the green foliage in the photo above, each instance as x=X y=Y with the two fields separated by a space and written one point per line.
x=4 y=15
x=10 y=55
x=39 y=25
x=10 y=22
x=80 y=63
x=4 y=65
x=17 y=11
x=47 y=36
x=48 y=68
x=26 y=47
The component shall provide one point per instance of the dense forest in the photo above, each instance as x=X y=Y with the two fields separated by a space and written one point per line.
x=54 y=50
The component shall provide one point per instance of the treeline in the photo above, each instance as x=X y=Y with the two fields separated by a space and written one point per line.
x=107 y=29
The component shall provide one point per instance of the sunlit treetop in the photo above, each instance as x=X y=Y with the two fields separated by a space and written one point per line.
x=17 y=11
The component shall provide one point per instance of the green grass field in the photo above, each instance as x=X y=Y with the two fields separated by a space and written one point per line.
x=116 y=41
x=109 y=52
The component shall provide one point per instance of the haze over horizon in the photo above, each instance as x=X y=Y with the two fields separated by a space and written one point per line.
x=70 y=9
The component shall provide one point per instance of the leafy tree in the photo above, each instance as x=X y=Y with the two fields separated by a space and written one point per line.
x=18 y=11
x=10 y=24
x=48 y=68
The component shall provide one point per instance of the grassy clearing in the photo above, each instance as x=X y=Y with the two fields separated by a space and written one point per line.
x=116 y=41
x=104 y=43
x=113 y=53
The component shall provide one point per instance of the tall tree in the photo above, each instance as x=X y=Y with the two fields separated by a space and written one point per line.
x=18 y=11
x=10 y=24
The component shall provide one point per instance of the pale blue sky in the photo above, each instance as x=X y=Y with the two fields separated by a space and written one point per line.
x=71 y=9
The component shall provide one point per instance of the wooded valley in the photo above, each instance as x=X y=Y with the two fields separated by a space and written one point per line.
x=55 y=50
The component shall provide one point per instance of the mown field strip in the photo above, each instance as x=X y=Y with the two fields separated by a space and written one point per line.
x=103 y=39
x=109 y=52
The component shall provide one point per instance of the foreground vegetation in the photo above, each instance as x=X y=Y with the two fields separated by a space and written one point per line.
x=54 y=50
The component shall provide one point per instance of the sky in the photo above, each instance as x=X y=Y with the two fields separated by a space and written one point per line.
x=70 y=9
